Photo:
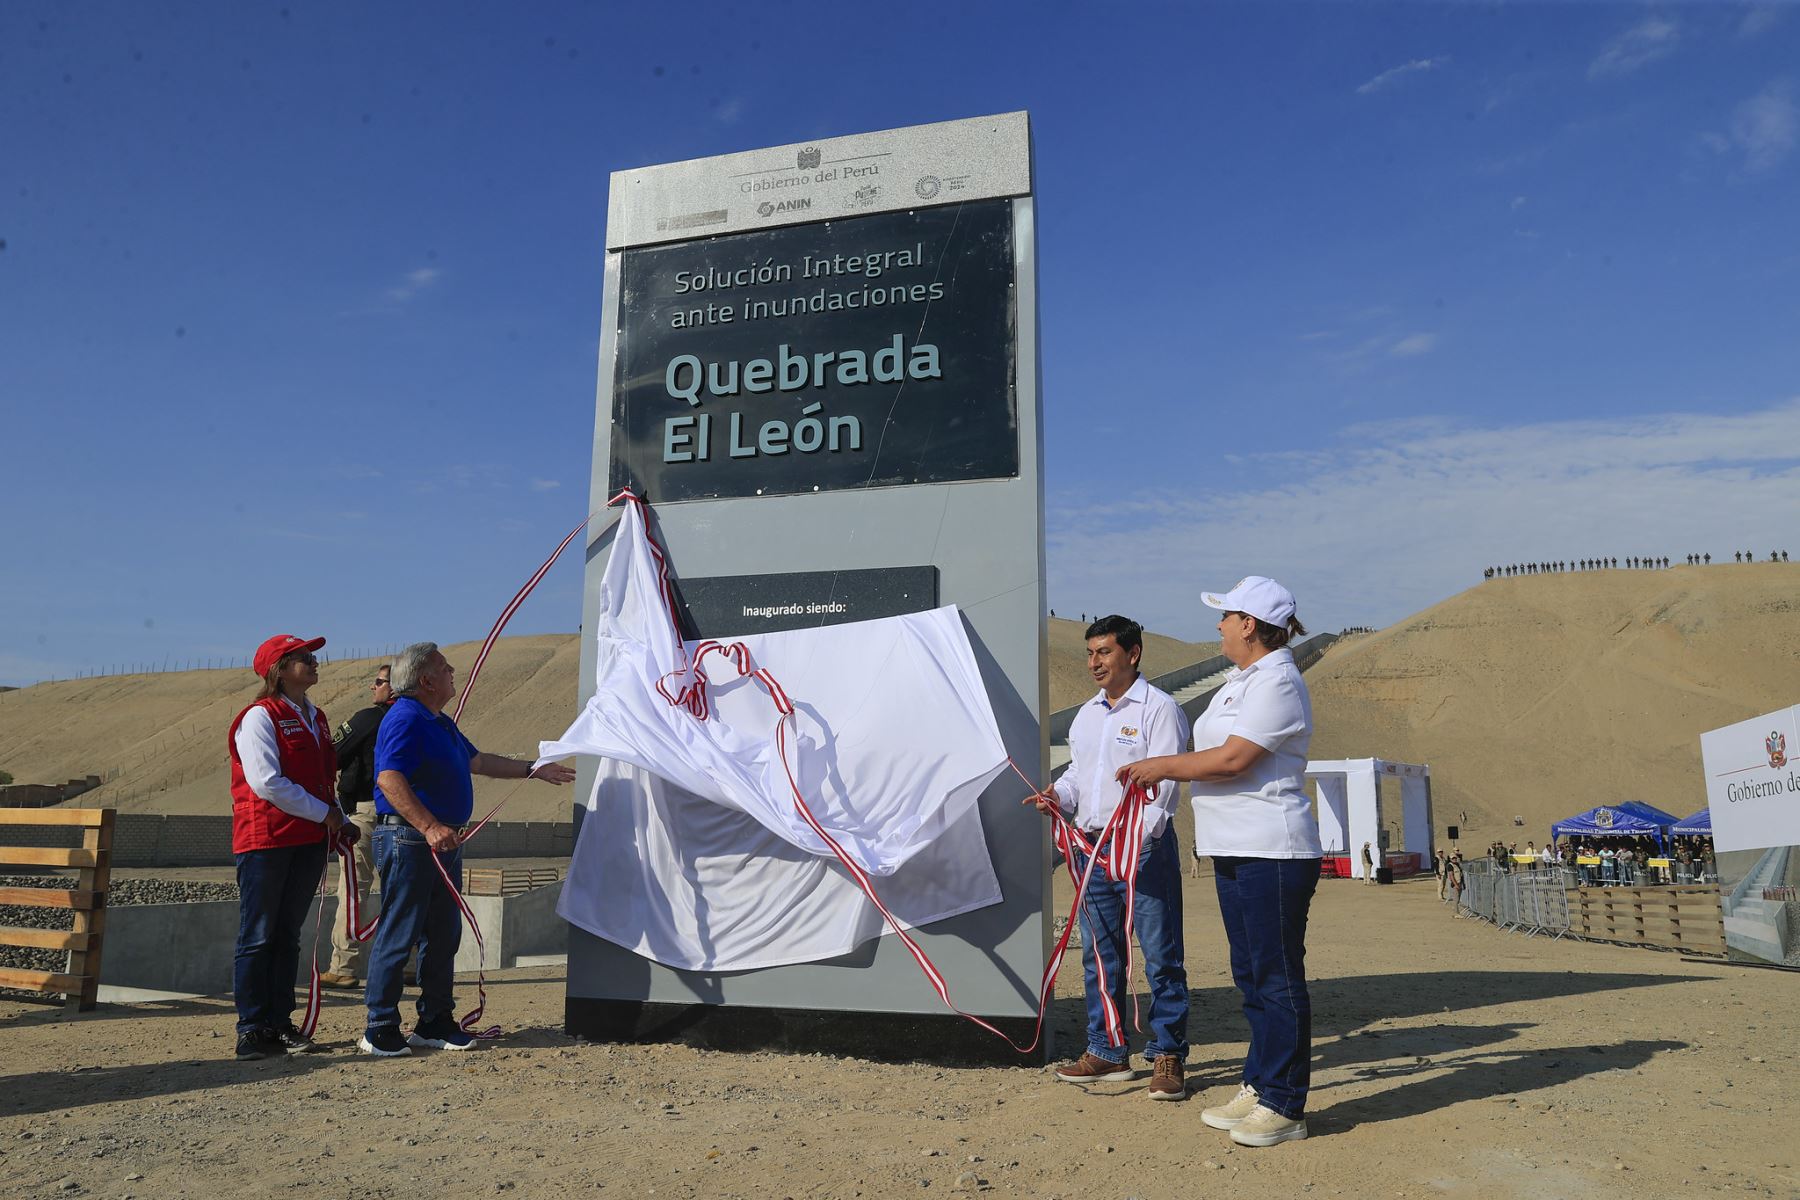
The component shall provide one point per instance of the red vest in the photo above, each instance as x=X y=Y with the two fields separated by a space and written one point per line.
x=306 y=759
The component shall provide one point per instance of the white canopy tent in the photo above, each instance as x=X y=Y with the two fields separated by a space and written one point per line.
x=1349 y=792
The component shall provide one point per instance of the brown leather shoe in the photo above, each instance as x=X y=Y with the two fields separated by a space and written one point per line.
x=332 y=979
x=1091 y=1068
x=1167 y=1082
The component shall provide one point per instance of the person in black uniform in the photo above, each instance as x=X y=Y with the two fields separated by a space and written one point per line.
x=355 y=745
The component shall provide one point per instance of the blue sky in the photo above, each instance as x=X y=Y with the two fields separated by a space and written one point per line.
x=299 y=303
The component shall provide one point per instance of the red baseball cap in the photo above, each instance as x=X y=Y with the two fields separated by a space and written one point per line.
x=280 y=646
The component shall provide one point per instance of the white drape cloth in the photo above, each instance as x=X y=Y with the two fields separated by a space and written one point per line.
x=693 y=853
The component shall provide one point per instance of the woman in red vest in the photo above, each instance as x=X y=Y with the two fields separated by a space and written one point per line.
x=283 y=812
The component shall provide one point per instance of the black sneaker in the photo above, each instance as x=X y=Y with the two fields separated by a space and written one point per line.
x=385 y=1042
x=251 y=1046
x=441 y=1034
x=292 y=1039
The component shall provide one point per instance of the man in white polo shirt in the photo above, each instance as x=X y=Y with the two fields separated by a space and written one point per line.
x=1129 y=720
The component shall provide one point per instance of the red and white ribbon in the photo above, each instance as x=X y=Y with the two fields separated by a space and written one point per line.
x=506 y=614
x=354 y=925
x=1116 y=848
x=343 y=845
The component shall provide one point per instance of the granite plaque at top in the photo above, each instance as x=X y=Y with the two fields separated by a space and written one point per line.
x=735 y=605
x=873 y=351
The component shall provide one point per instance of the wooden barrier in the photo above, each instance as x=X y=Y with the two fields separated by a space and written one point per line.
x=507 y=881
x=92 y=862
x=1675 y=918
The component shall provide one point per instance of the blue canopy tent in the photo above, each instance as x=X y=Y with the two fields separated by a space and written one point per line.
x=1625 y=819
x=1698 y=825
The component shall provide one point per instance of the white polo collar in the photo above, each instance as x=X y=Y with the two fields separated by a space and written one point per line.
x=1137 y=693
x=1238 y=672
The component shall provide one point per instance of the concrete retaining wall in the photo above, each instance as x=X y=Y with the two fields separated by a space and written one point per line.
x=1760 y=929
x=149 y=840
x=187 y=949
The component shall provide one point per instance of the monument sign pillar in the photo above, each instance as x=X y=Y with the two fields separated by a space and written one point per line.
x=819 y=366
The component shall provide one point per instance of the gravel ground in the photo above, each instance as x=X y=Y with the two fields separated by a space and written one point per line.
x=122 y=891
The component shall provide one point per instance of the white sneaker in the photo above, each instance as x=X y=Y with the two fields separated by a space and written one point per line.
x=1227 y=1115
x=1265 y=1127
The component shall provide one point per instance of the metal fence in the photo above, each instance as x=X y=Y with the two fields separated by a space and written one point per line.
x=1552 y=900
x=1529 y=902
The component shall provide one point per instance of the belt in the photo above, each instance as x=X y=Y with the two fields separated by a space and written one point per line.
x=397 y=819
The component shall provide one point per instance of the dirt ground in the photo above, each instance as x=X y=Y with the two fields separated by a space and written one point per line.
x=1449 y=1060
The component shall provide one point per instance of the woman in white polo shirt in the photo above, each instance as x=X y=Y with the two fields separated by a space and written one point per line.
x=1251 y=814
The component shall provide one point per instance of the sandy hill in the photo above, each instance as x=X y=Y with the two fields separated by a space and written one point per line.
x=159 y=740
x=1545 y=695
x=1070 y=682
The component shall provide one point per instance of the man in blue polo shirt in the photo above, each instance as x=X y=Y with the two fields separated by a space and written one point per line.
x=424 y=795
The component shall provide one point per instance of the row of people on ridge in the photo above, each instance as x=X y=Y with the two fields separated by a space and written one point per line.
x=1601 y=564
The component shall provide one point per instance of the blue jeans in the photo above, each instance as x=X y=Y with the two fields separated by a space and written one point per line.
x=1263 y=902
x=275 y=888
x=416 y=910
x=1157 y=915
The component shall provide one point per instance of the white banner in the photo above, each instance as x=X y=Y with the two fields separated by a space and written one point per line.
x=1753 y=781
x=694 y=852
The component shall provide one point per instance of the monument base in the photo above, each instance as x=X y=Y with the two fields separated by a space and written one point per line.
x=879 y=1037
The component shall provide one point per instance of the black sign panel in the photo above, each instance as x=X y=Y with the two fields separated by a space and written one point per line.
x=867 y=352
x=734 y=605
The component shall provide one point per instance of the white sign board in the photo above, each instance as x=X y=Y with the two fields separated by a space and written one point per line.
x=1753 y=781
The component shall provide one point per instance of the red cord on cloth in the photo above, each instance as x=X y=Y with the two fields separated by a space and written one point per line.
x=1116 y=846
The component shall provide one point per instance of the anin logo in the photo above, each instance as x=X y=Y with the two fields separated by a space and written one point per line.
x=1776 y=745
x=769 y=208
x=807 y=159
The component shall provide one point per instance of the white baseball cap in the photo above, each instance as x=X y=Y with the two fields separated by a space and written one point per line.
x=1262 y=598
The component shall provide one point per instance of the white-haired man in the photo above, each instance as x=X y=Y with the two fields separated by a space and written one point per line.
x=424 y=796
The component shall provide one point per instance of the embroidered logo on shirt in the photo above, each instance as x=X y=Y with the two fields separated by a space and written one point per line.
x=287 y=725
x=1128 y=731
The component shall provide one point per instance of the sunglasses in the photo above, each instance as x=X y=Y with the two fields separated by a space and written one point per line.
x=380 y=681
x=308 y=659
